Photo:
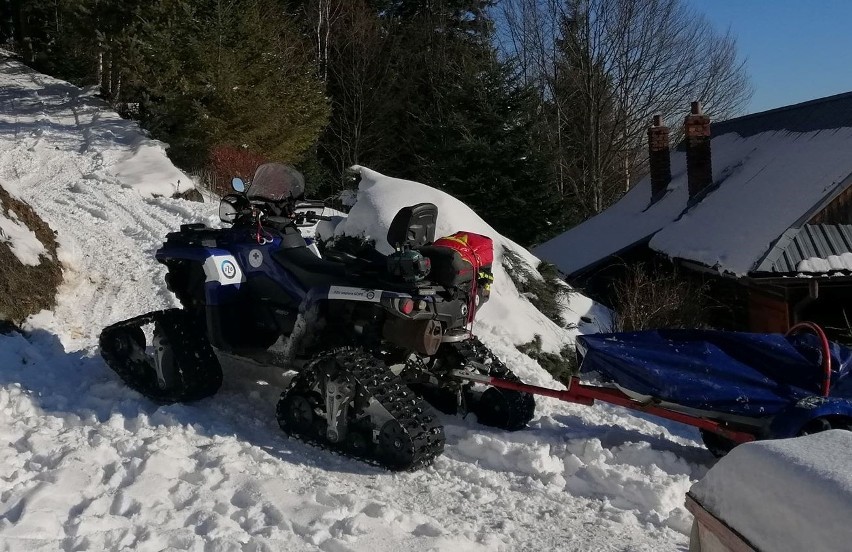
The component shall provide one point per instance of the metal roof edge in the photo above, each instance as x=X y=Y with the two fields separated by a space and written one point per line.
x=780 y=244
x=776 y=249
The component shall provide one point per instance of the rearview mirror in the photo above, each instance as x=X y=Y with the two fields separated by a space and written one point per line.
x=238 y=185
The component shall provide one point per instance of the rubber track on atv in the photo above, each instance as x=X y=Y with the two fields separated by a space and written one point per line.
x=522 y=404
x=377 y=381
x=198 y=369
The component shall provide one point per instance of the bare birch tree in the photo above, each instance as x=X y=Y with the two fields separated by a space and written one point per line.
x=605 y=67
x=357 y=70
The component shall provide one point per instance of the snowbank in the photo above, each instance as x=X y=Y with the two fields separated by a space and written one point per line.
x=145 y=167
x=785 y=495
x=507 y=313
x=74 y=121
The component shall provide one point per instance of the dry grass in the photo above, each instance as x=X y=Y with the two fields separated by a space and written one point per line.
x=26 y=290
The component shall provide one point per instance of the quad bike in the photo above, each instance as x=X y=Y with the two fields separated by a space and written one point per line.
x=371 y=337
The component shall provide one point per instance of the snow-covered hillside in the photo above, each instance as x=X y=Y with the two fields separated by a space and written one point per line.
x=87 y=464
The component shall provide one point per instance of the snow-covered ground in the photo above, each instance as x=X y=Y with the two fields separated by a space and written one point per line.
x=87 y=464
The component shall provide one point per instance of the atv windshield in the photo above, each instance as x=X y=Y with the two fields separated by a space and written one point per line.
x=276 y=182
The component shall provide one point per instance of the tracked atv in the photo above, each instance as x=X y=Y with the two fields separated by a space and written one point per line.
x=372 y=337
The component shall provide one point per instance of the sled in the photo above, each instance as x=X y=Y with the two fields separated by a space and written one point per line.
x=734 y=386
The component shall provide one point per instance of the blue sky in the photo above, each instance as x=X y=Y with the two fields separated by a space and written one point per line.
x=795 y=50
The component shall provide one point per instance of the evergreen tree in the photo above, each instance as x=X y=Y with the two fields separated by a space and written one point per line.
x=458 y=120
x=484 y=153
x=194 y=72
x=267 y=98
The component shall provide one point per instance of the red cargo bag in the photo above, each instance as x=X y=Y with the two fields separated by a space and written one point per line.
x=458 y=259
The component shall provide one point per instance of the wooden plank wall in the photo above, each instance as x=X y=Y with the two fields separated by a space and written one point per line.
x=767 y=313
x=839 y=211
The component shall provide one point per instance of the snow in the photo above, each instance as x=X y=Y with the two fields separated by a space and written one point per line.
x=766 y=183
x=22 y=241
x=830 y=264
x=147 y=169
x=54 y=113
x=789 y=494
x=90 y=465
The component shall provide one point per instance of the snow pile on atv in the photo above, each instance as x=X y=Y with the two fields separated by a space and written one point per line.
x=508 y=313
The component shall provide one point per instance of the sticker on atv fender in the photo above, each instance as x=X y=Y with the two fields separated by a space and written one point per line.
x=255 y=258
x=355 y=294
x=223 y=269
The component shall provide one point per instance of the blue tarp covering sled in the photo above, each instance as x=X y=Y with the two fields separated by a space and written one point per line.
x=747 y=374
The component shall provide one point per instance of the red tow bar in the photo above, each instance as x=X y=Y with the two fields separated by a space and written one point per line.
x=580 y=393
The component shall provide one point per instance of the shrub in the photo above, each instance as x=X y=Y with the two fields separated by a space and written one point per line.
x=647 y=298
x=561 y=366
x=228 y=162
x=545 y=290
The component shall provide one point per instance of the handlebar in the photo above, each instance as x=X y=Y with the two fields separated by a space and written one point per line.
x=309 y=216
x=282 y=213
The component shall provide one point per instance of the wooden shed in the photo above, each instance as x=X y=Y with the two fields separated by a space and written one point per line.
x=760 y=204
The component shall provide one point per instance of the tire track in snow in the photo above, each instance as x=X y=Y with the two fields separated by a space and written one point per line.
x=94 y=252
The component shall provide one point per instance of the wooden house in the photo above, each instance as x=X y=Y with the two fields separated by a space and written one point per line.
x=761 y=205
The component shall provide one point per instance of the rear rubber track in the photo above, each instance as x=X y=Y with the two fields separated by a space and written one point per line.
x=502 y=408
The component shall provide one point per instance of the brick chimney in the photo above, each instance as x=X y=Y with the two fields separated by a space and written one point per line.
x=699 y=169
x=659 y=161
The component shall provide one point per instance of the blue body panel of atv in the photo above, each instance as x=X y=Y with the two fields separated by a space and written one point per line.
x=238 y=257
x=232 y=261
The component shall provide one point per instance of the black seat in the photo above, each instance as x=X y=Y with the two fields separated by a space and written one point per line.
x=338 y=256
x=310 y=270
x=414 y=225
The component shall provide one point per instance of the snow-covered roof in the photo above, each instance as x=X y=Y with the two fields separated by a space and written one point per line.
x=766 y=179
x=630 y=221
